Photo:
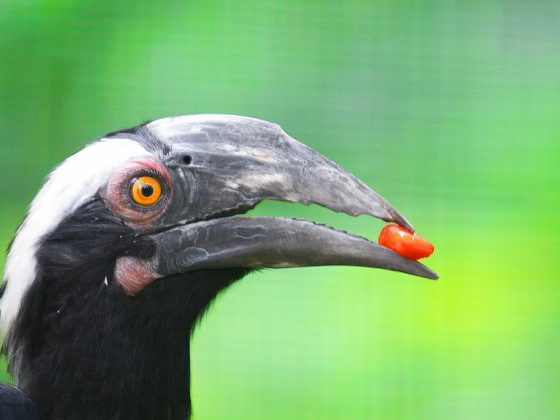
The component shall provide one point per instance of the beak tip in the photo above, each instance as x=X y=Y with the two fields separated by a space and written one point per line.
x=401 y=220
x=431 y=275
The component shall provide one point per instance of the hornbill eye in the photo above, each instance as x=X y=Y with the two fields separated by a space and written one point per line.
x=145 y=190
x=139 y=191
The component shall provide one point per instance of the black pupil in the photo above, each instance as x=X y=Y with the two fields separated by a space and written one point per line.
x=147 y=190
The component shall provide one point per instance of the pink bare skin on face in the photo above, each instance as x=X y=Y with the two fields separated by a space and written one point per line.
x=133 y=273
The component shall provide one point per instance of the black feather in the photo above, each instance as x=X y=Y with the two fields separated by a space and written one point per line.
x=15 y=405
x=84 y=349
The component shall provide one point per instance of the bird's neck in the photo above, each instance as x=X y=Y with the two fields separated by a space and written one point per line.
x=102 y=354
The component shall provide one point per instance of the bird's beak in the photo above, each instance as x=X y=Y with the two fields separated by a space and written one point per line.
x=223 y=165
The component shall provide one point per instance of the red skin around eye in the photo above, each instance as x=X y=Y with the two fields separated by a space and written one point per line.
x=405 y=243
x=117 y=192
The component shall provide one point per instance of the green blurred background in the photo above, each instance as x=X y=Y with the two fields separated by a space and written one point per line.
x=448 y=109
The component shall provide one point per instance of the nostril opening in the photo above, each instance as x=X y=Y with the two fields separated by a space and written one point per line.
x=187 y=159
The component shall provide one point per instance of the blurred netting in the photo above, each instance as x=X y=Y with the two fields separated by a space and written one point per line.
x=448 y=109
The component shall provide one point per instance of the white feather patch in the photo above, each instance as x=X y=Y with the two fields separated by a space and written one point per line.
x=70 y=185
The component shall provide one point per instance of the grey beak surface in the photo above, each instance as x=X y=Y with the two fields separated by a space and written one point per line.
x=236 y=162
x=222 y=165
x=257 y=242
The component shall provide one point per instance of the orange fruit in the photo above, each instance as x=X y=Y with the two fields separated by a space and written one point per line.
x=408 y=244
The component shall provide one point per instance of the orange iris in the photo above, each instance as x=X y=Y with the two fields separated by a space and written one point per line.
x=146 y=190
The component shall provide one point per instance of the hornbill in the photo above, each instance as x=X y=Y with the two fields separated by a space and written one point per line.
x=131 y=238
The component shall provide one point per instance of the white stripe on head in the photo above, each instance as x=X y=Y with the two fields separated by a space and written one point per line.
x=70 y=185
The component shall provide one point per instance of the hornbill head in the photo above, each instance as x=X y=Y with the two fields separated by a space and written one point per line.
x=130 y=239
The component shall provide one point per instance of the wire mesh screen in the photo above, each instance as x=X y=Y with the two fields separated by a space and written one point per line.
x=448 y=109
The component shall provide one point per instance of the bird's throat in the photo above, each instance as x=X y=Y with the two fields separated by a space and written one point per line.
x=106 y=354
